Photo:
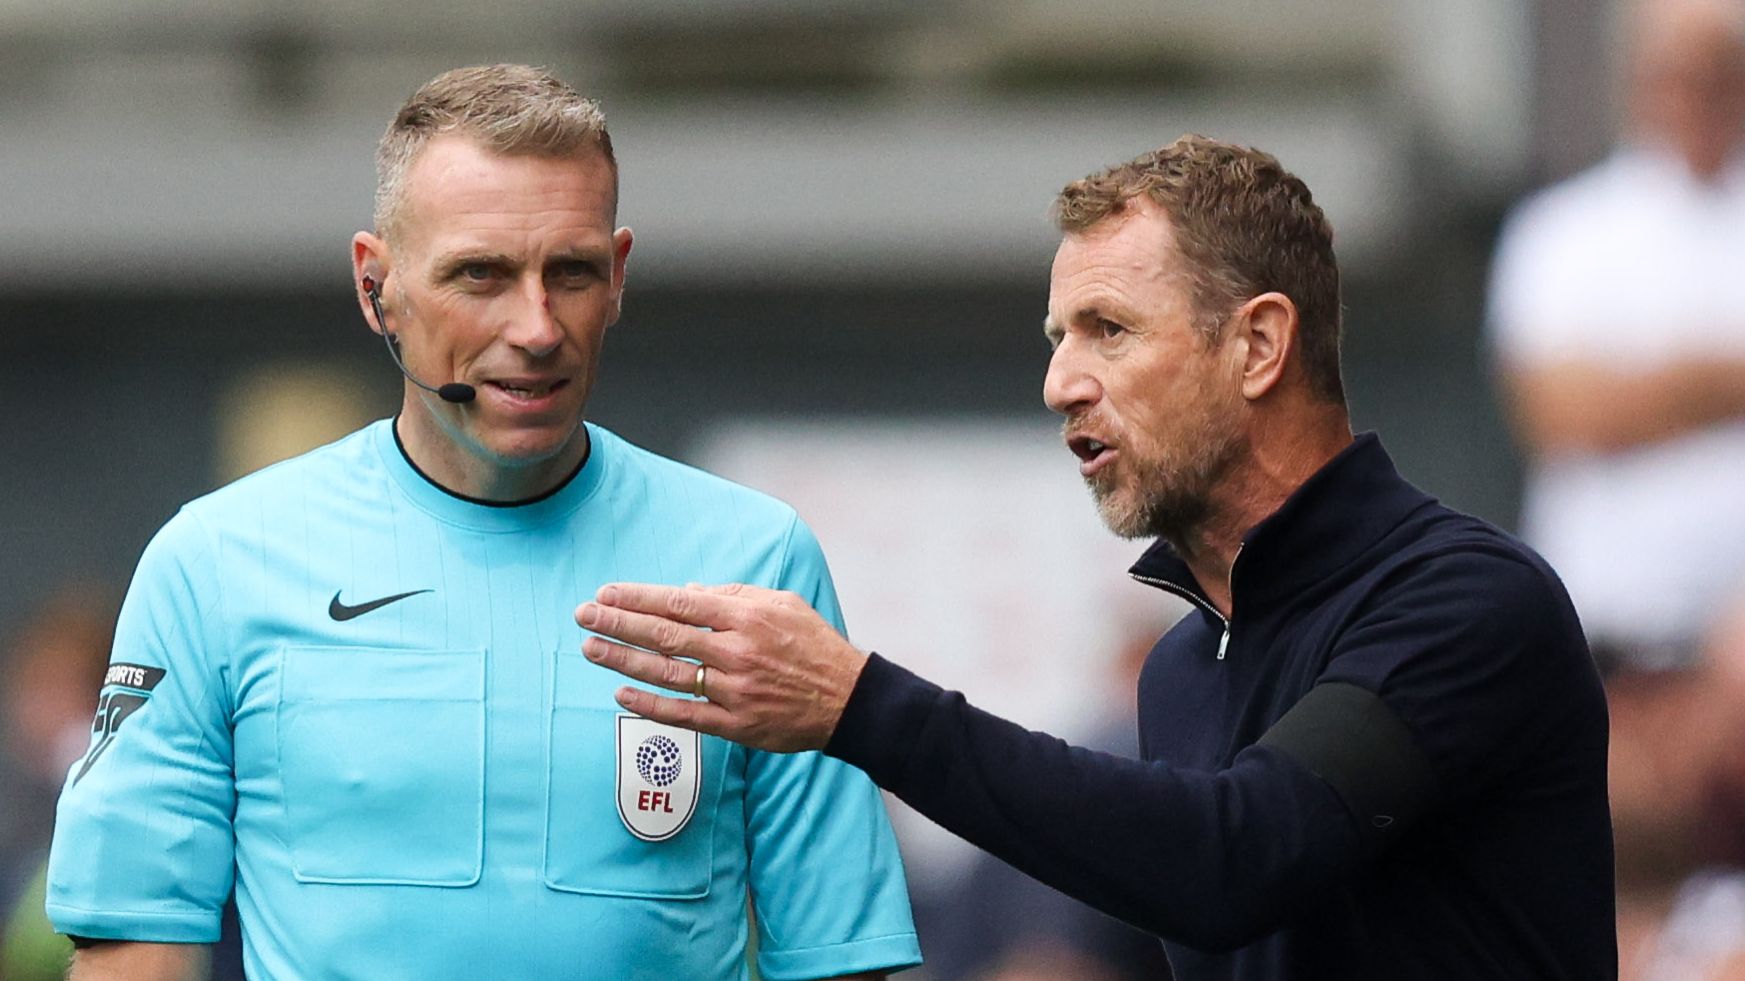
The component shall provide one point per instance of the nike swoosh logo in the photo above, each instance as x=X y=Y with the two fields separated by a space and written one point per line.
x=341 y=612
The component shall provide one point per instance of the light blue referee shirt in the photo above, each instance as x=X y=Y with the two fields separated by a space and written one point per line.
x=364 y=697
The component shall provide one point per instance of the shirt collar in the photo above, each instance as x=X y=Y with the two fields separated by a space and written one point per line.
x=465 y=512
x=1340 y=512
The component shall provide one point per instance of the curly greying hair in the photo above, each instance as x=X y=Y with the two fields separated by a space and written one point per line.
x=1243 y=226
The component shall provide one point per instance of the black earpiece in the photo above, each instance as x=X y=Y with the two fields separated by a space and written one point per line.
x=456 y=392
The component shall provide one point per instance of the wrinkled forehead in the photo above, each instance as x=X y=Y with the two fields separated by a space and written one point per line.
x=1138 y=241
x=455 y=182
x=456 y=157
x=1127 y=261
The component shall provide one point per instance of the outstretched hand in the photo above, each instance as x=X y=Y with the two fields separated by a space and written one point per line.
x=777 y=674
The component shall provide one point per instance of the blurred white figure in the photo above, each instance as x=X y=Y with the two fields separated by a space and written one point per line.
x=1703 y=939
x=1616 y=313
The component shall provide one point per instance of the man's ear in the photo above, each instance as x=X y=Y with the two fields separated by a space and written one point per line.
x=622 y=240
x=1269 y=324
x=370 y=260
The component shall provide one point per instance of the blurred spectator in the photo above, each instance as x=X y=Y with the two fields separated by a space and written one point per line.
x=1621 y=338
x=49 y=675
x=998 y=924
x=1615 y=305
x=1678 y=810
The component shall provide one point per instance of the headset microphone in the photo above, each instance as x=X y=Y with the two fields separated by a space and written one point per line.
x=455 y=392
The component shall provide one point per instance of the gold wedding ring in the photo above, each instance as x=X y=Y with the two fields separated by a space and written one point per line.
x=697 y=689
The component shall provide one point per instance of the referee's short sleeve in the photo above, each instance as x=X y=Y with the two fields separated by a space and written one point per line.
x=143 y=842
x=826 y=877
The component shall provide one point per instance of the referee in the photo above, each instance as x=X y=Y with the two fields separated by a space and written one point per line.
x=1375 y=749
x=352 y=681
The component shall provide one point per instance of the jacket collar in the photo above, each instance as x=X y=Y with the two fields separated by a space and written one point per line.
x=1339 y=513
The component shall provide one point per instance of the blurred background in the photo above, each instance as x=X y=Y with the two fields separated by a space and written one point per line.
x=836 y=295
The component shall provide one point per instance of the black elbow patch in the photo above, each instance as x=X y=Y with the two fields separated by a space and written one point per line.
x=1347 y=736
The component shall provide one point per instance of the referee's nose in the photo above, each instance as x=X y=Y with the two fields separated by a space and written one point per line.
x=533 y=327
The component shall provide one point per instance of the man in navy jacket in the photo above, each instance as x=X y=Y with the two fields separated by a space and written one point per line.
x=1377 y=749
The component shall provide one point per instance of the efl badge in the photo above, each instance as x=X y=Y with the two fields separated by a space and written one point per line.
x=659 y=770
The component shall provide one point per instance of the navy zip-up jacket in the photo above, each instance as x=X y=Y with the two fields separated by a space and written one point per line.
x=1389 y=763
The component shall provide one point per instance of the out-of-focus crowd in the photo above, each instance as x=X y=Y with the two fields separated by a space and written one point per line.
x=1617 y=322
x=1617 y=316
x=52 y=668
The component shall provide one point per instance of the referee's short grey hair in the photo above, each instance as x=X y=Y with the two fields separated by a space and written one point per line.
x=510 y=109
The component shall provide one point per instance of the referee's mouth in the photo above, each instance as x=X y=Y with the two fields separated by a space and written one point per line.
x=525 y=392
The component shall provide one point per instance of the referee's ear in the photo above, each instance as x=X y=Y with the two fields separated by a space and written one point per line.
x=370 y=259
x=622 y=240
x=1267 y=328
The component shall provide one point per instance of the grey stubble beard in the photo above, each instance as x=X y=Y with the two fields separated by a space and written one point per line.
x=1169 y=505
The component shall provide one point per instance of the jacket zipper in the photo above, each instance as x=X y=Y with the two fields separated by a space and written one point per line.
x=1170 y=587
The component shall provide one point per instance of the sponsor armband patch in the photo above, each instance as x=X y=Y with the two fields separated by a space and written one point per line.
x=126 y=689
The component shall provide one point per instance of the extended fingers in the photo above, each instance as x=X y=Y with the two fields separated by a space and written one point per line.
x=705 y=717
x=644 y=630
x=752 y=598
x=728 y=589
x=656 y=669
x=697 y=607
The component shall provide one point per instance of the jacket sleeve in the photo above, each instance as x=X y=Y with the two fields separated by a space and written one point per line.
x=1218 y=859
x=1208 y=859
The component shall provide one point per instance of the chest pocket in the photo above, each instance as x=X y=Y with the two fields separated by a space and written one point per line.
x=631 y=806
x=381 y=755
